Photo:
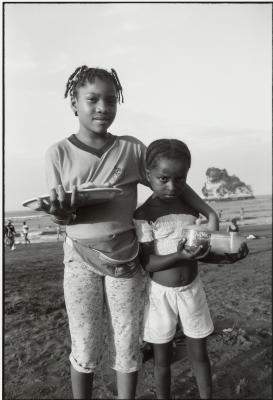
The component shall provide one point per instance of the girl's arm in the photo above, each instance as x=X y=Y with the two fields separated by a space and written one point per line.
x=152 y=262
x=193 y=200
x=61 y=207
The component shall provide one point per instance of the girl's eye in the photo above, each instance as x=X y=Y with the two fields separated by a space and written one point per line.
x=163 y=179
x=92 y=99
x=111 y=101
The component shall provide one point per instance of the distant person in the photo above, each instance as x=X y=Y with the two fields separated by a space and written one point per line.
x=25 y=230
x=6 y=241
x=220 y=214
x=242 y=214
x=10 y=233
x=233 y=226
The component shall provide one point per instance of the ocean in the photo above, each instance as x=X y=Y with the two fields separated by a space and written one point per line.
x=256 y=211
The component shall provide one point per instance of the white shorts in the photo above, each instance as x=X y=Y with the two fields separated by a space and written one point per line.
x=164 y=306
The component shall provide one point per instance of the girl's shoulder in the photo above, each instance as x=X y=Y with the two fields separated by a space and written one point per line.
x=149 y=210
x=57 y=146
x=141 y=212
x=131 y=141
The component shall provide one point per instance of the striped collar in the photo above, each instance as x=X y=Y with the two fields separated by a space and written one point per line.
x=97 y=152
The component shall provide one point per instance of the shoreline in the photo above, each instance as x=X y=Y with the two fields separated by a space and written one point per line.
x=40 y=237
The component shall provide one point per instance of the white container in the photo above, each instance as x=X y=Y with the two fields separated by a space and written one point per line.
x=222 y=243
x=235 y=242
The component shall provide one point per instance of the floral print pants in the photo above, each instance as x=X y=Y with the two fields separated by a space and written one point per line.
x=89 y=297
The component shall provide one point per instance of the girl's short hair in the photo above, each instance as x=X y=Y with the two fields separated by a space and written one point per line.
x=166 y=148
x=85 y=74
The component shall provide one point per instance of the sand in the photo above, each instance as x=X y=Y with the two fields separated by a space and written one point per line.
x=37 y=339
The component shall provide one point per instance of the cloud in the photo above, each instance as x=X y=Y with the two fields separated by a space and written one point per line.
x=20 y=64
x=129 y=27
x=122 y=49
x=152 y=126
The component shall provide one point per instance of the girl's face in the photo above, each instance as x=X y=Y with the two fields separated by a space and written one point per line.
x=96 y=105
x=168 y=178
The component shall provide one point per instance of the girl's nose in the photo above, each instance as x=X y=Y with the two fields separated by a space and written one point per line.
x=101 y=107
x=170 y=185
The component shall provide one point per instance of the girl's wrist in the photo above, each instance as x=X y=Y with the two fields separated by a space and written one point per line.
x=178 y=256
x=213 y=222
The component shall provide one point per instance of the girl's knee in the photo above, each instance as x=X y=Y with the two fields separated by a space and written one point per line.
x=162 y=354
x=197 y=350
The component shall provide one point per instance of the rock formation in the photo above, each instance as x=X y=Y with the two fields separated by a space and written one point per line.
x=220 y=185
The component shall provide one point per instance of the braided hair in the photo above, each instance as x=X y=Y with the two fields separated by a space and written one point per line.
x=84 y=74
x=166 y=148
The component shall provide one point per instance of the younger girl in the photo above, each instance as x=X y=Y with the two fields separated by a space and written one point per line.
x=175 y=289
x=101 y=248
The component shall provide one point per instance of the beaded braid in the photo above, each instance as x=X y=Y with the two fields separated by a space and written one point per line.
x=118 y=85
x=83 y=74
x=169 y=148
x=73 y=81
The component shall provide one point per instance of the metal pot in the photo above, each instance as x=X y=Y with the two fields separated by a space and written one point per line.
x=196 y=238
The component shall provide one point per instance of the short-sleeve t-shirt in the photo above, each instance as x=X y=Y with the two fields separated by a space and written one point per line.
x=161 y=223
x=25 y=228
x=120 y=162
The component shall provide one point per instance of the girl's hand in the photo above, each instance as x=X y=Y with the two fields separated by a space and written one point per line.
x=198 y=254
x=62 y=206
x=242 y=253
x=227 y=258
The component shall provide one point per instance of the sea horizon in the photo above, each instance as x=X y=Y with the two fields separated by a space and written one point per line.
x=27 y=212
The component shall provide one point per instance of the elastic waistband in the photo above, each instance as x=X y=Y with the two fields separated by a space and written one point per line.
x=175 y=288
x=69 y=242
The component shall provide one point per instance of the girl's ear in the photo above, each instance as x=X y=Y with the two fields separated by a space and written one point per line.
x=147 y=174
x=74 y=106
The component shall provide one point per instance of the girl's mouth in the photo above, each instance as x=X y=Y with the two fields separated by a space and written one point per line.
x=101 y=120
x=170 y=195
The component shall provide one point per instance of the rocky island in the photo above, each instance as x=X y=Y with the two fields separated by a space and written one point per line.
x=220 y=185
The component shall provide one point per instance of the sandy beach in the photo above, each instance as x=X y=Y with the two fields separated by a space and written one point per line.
x=37 y=339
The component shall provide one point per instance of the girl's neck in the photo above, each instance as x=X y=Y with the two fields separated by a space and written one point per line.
x=92 y=139
x=171 y=204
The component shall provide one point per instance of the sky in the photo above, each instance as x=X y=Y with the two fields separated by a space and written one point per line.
x=201 y=73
